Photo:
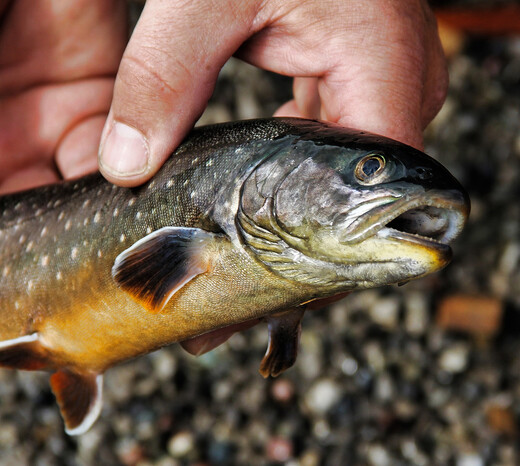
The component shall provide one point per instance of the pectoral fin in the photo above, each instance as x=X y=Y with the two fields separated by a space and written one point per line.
x=157 y=266
x=284 y=338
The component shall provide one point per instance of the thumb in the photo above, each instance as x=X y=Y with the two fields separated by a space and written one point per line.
x=165 y=79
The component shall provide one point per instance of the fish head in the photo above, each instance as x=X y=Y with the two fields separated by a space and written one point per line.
x=359 y=209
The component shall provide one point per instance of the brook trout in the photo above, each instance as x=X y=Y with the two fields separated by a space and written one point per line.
x=246 y=220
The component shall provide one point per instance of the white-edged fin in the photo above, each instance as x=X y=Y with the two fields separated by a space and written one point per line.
x=80 y=398
x=157 y=266
x=25 y=353
x=16 y=341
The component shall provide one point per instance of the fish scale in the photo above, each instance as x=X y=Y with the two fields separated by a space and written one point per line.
x=228 y=232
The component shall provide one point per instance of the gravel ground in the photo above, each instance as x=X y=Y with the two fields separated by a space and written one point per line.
x=380 y=380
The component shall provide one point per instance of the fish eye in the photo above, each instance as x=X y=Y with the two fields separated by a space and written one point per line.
x=369 y=168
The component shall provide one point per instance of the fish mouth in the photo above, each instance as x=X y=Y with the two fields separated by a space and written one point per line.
x=432 y=219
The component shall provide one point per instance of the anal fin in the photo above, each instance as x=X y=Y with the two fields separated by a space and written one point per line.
x=284 y=339
x=79 y=397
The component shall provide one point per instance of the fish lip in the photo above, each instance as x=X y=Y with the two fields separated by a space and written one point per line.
x=450 y=207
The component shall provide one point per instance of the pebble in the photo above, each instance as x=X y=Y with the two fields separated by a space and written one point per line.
x=279 y=449
x=282 y=390
x=377 y=455
x=416 y=313
x=477 y=315
x=469 y=459
x=322 y=396
x=181 y=444
x=454 y=359
x=385 y=312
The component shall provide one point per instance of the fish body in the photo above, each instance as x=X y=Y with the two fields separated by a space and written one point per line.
x=246 y=220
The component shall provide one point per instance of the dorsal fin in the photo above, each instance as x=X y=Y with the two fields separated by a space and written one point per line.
x=79 y=397
x=158 y=265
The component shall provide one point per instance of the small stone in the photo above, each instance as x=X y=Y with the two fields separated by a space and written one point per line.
x=310 y=458
x=322 y=396
x=164 y=364
x=385 y=312
x=181 y=444
x=416 y=313
x=377 y=455
x=477 y=315
x=384 y=389
x=279 y=449
x=501 y=418
x=282 y=390
x=129 y=452
x=375 y=356
x=470 y=459
x=454 y=359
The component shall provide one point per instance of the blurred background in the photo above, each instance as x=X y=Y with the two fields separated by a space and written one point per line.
x=427 y=373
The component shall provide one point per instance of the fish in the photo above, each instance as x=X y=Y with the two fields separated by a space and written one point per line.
x=248 y=221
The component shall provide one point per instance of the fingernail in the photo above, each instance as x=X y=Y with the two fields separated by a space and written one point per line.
x=124 y=152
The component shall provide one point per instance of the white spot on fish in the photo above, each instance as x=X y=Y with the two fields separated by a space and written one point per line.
x=97 y=217
x=148 y=230
x=16 y=305
x=151 y=185
x=57 y=203
x=100 y=253
x=131 y=202
x=193 y=194
x=169 y=184
x=43 y=232
x=39 y=212
x=194 y=161
x=68 y=225
x=85 y=243
x=86 y=203
x=45 y=261
x=62 y=214
x=30 y=285
x=83 y=190
x=59 y=276
x=5 y=271
x=116 y=212
x=185 y=183
x=122 y=238
x=58 y=251
x=74 y=253
x=22 y=239
x=18 y=206
x=209 y=163
x=29 y=246
x=85 y=222
x=138 y=216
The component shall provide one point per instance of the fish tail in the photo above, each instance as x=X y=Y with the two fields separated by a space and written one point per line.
x=79 y=394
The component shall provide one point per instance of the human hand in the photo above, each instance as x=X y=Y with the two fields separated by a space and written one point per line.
x=375 y=65
x=58 y=61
